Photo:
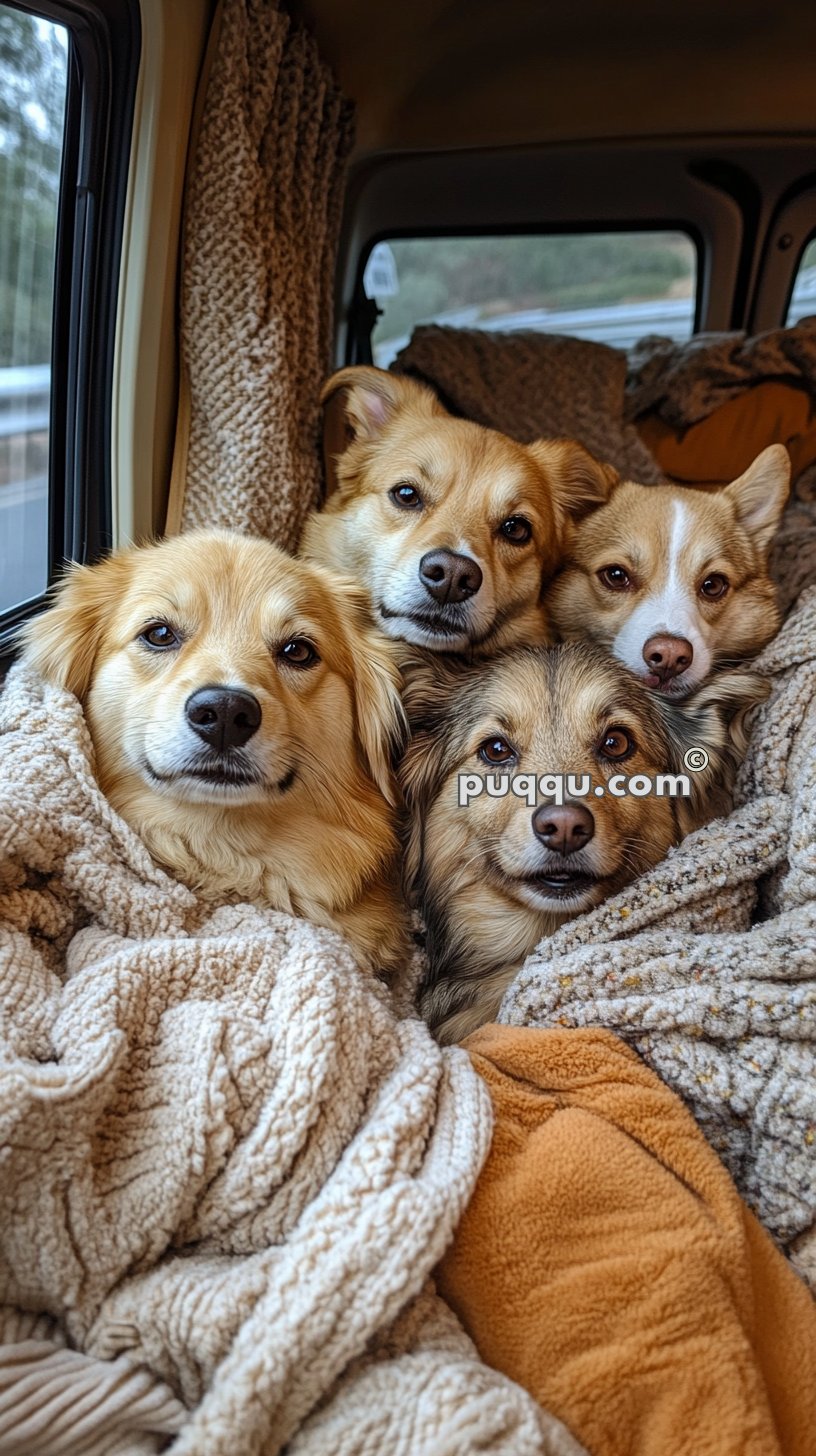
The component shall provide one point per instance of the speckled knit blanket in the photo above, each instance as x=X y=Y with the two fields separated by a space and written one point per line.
x=227 y=1167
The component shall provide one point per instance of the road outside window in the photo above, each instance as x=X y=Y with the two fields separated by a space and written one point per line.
x=33 y=75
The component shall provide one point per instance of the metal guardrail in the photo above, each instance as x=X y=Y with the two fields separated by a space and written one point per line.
x=619 y=325
x=25 y=400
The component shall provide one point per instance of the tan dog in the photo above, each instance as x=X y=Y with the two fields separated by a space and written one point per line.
x=450 y=527
x=243 y=714
x=675 y=581
x=493 y=875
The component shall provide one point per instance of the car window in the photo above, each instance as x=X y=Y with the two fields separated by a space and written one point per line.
x=33 y=76
x=803 y=298
x=613 y=286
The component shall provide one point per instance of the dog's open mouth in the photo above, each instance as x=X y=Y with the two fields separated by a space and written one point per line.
x=556 y=884
x=561 y=884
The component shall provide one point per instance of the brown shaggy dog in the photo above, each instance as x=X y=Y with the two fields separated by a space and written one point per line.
x=244 y=715
x=492 y=876
x=675 y=581
x=450 y=527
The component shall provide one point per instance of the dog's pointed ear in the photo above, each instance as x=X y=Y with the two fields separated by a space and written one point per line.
x=760 y=493
x=708 y=736
x=378 y=713
x=63 y=641
x=580 y=481
x=359 y=403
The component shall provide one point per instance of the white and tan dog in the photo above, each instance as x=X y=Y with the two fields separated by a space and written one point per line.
x=675 y=581
x=450 y=527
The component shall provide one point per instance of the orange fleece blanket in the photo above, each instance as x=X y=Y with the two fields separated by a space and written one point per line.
x=607 y=1263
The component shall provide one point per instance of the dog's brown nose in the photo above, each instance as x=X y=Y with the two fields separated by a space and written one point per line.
x=564 y=828
x=448 y=576
x=667 y=657
x=223 y=717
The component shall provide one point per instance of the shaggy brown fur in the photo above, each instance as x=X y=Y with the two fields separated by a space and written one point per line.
x=487 y=886
x=300 y=816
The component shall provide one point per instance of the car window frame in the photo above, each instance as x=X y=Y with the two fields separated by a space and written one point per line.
x=792 y=229
x=103 y=61
x=567 y=187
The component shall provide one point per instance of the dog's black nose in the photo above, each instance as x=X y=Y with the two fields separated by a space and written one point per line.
x=448 y=576
x=666 y=657
x=223 y=717
x=564 y=828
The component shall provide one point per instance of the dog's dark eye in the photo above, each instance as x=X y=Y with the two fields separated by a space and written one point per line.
x=714 y=587
x=496 y=750
x=159 y=636
x=615 y=578
x=616 y=744
x=299 y=653
x=516 y=529
x=407 y=497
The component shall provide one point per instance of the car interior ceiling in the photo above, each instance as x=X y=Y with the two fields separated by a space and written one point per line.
x=467 y=73
x=471 y=116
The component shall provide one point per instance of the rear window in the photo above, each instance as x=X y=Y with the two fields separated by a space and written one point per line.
x=803 y=298
x=613 y=287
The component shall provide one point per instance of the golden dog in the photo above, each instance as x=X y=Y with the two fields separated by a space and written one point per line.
x=244 y=716
x=493 y=875
x=451 y=528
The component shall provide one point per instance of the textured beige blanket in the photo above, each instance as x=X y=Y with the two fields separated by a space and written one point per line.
x=227 y=1167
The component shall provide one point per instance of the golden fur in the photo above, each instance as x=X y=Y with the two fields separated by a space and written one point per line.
x=670 y=541
x=475 y=871
x=300 y=817
x=384 y=431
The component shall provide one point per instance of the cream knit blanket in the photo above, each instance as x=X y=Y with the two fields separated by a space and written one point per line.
x=227 y=1167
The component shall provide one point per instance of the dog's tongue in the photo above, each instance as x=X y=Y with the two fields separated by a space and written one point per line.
x=652 y=680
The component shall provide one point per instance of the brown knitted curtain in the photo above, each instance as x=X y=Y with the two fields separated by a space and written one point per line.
x=260 y=233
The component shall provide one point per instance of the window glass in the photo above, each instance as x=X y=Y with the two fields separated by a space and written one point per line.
x=33 y=76
x=612 y=287
x=803 y=298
